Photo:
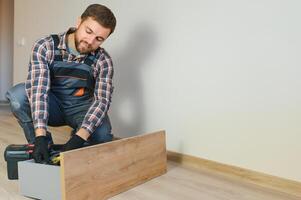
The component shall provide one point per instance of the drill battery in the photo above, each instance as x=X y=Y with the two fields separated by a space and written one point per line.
x=15 y=153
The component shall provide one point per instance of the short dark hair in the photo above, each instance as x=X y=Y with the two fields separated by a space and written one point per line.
x=103 y=15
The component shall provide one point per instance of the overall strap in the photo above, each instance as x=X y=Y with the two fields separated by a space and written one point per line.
x=90 y=60
x=57 y=52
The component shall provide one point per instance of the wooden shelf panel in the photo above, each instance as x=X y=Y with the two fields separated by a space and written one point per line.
x=104 y=170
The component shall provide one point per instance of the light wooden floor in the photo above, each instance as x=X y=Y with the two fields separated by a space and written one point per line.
x=179 y=182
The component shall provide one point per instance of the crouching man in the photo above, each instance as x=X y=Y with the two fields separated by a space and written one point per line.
x=69 y=83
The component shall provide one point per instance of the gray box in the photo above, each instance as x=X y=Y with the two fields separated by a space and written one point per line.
x=39 y=181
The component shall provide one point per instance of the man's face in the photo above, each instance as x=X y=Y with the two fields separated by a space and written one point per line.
x=90 y=35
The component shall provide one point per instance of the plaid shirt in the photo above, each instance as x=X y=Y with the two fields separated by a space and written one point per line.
x=38 y=81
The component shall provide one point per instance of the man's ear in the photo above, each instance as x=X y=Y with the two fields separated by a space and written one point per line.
x=78 y=22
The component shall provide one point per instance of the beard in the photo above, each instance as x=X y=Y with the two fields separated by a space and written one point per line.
x=82 y=46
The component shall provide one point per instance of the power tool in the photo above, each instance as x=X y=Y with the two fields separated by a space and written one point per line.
x=20 y=152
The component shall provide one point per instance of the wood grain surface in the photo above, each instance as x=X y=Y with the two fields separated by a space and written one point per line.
x=102 y=171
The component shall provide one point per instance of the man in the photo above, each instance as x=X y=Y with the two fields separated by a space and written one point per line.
x=69 y=83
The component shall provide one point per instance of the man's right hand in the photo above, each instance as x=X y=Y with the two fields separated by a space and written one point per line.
x=40 y=152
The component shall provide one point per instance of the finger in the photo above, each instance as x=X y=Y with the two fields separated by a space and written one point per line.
x=37 y=158
x=46 y=157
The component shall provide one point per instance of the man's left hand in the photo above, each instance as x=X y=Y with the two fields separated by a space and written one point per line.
x=74 y=142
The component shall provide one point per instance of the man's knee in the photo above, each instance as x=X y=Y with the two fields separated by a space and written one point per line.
x=17 y=97
x=103 y=133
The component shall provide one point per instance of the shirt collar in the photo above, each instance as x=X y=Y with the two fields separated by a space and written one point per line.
x=63 y=39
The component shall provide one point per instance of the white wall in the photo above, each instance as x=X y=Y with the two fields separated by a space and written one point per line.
x=6 y=46
x=221 y=77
